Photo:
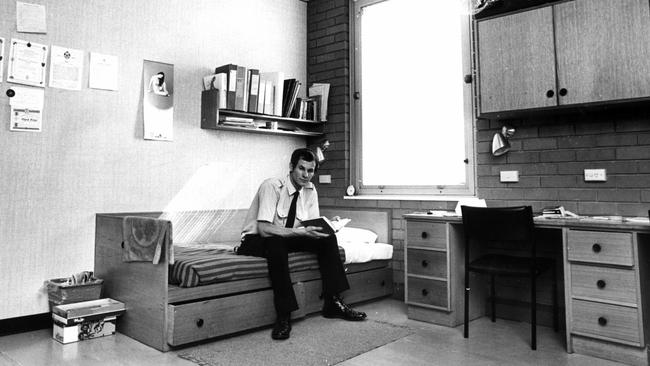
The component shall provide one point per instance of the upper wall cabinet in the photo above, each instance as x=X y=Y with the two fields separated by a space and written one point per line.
x=572 y=53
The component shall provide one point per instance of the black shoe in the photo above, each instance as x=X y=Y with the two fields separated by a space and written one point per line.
x=334 y=307
x=281 y=329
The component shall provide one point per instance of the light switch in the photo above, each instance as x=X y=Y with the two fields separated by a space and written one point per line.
x=595 y=175
x=325 y=179
x=509 y=176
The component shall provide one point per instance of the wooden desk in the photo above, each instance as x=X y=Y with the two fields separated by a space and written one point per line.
x=605 y=269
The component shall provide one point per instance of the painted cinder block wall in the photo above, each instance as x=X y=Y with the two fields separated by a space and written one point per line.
x=549 y=151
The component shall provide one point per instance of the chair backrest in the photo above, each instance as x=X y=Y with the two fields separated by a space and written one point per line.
x=498 y=224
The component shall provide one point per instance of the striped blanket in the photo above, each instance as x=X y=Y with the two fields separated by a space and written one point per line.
x=203 y=264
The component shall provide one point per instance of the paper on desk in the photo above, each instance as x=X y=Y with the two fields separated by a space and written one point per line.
x=472 y=201
x=26 y=109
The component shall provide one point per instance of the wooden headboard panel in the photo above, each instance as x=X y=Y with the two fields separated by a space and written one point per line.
x=377 y=221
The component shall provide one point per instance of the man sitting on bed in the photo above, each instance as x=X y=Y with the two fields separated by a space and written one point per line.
x=272 y=230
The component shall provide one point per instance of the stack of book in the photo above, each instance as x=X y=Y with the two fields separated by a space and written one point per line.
x=237 y=121
x=289 y=96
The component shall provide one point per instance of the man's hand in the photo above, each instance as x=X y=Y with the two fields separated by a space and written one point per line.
x=312 y=232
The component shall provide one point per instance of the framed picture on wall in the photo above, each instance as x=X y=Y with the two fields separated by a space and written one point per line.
x=158 y=100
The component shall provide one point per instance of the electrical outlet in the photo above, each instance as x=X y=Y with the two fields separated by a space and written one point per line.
x=325 y=179
x=595 y=175
x=509 y=176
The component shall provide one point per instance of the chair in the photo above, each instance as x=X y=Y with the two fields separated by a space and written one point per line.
x=510 y=226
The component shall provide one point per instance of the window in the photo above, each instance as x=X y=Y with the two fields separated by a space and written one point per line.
x=412 y=117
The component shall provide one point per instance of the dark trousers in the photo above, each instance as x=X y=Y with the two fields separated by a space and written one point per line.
x=276 y=251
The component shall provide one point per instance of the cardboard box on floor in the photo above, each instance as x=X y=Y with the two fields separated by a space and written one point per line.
x=85 y=320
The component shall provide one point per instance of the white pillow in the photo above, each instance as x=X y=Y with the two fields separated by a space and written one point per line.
x=355 y=235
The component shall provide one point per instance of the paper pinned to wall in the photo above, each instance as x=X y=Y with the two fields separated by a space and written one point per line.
x=2 y=57
x=102 y=71
x=27 y=62
x=26 y=109
x=30 y=18
x=66 y=68
x=158 y=81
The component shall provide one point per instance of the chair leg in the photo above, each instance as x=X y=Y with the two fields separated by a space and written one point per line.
x=533 y=313
x=556 y=316
x=492 y=298
x=466 y=323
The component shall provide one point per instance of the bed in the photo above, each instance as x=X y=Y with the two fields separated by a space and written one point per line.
x=166 y=309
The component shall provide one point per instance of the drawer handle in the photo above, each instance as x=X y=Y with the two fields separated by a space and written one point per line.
x=601 y=284
x=199 y=323
x=425 y=292
x=602 y=321
x=550 y=93
x=425 y=263
x=383 y=283
x=596 y=248
x=563 y=92
x=424 y=235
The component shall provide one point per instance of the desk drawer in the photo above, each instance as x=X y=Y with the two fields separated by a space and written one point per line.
x=604 y=320
x=427 y=291
x=427 y=263
x=426 y=234
x=600 y=247
x=603 y=283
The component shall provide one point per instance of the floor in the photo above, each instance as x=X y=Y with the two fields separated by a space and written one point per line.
x=500 y=343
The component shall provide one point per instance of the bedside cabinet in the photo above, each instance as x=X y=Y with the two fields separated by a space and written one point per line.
x=603 y=292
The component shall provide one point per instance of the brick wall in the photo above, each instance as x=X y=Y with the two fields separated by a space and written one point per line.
x=551 y=153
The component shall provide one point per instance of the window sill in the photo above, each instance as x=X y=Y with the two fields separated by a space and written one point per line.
x=385 y=197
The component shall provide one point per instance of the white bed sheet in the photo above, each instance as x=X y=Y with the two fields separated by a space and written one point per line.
x=366 y=252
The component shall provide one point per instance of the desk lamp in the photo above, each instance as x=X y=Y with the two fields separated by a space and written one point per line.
x=500 y=143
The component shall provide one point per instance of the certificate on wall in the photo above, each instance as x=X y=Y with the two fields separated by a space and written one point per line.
x=26 y=109
x=102 y=71
x=27 y=62
x=158 y=100
x=2 y=57
x=30 y=18
x=66 y=68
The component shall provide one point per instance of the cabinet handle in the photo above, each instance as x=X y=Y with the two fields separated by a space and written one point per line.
x=596 y=248
x=602 y=321
x=425 y=263
x=425 y=292
x=424 y=235
x=383 y=283
x=601 y=284
x=550 y=93
x=563 y=92
x=199 y=323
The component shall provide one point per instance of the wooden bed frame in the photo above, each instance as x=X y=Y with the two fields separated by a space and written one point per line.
x=164 y=316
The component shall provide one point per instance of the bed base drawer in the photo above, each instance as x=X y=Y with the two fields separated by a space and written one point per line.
x=205 y=319
x=363 y=286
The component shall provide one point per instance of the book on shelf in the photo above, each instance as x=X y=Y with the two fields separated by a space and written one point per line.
x=268 y=98
x=253 y=89
x=322 y=90
x=231 y=75
x=277 y=81
x=217 y=82
x=260 y=96
x=240 y=94
x=327 y=226
x=292 y=87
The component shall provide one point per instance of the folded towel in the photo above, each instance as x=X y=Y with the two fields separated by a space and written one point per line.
x=146 y=239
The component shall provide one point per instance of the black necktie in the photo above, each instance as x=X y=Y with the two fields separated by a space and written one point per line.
x=292 y=211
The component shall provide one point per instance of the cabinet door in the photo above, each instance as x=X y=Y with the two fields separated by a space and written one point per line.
x=517 y=61
x=602 y=48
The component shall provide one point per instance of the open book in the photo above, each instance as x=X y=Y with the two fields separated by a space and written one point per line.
x=328 y=226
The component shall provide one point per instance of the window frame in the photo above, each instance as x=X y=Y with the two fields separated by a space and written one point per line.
x=468 y=189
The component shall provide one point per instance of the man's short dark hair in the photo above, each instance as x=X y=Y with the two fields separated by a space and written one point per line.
x=304 y=154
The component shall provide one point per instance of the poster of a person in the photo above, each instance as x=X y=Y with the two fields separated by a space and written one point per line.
x=158 y=97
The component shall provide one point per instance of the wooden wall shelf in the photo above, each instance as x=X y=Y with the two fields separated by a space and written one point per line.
x=285 y=125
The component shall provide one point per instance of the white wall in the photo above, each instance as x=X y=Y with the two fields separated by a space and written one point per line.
x=90 y=156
